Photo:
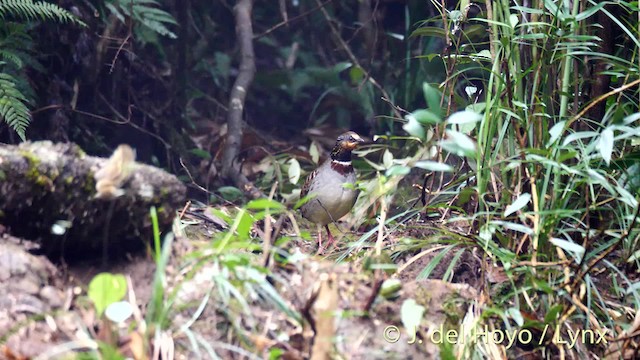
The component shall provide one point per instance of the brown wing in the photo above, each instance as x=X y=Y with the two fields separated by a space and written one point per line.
x=307 y=183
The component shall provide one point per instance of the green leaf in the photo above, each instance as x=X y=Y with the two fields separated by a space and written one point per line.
x=201 y=153
x=513 y=20
x=552 y=314
x=105 y=289
x=459 y=144
x=119 y=311
x=356 y=75
x=398 y=170
x=555 y=132
x=575 y=249
x=230 y=193
x=294 y=171
x=464 y=117
x=516 y=315
x=434 y=166
x=426 y=117
x=429 y=31
x=605 y=145
x=520 y=202
x=413 y=127
x=314 y=152
x=432 y=96
x=390 y=288
x=263 y=204
x=411 y=315
x=578 y=135
x=631 y=118
x=514 y=226
x=387 y=159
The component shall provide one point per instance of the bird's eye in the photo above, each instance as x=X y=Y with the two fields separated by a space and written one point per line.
x=351 y=138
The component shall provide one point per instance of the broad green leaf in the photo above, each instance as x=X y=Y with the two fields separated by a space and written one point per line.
x=464 y=117
x=263 y=204
x=553 y=313
x=413 y=127
x=432 y=96
x=105 y=289
x=411 y=315
x=520 y=202
x=513 y=20
x=516 y=315
x=314 y=152
x=631 y=118
x=119 y=311
x=426 y=117
x=230 y=193
x=294 y=171
x=459 y=144
x=429 y=31
x=578 y=136
x=514 y=226
x=433 y=166
x=555 y=132
x=590 y=11
x=387 y=159
x=390 y=288
x=575 y=249
x=356 y=74
x=605 y=145
x=398 y=170
x=201 y=153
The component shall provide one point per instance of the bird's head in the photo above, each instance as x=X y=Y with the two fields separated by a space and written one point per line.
x=349 y=140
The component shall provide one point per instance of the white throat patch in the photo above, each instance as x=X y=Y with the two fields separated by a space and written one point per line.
x=343 y=163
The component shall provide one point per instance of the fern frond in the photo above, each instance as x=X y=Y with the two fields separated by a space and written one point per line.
x=13 y=108
x=15 y=45
x=29 y=10
x=144 y=13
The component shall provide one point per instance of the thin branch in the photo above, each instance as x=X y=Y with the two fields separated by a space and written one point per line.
x=288 y=21
x=355 y=61
x=244 y=33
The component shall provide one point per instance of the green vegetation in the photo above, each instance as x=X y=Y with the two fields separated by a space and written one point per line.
x=16 y=54
x=506 y=141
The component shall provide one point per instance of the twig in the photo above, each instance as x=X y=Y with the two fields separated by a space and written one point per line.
x=355 y=61
x=288 y=21
x=601 y=98
x=184 y=209
x=377 y=285
x=244 y=33
x=266 y=246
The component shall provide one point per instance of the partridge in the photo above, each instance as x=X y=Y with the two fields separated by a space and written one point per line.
x=330 y=186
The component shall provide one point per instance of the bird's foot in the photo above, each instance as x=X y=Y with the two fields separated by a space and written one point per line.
x=331 y=241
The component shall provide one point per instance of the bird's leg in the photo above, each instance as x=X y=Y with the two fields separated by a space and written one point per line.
x=330 y=236
x=319 y=228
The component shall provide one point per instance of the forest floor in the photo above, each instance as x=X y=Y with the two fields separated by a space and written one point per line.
x=49 y=313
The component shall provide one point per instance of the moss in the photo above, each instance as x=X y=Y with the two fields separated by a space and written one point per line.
x=90 y=183
x=68 y=180
x=33 y=173
x=3 y=176
x=164 y=192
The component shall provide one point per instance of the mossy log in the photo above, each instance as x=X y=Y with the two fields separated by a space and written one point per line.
x=48 y=194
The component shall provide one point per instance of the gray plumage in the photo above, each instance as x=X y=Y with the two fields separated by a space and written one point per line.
x=330 y=199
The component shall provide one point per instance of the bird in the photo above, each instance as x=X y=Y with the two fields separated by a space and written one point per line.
x=330 y=187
